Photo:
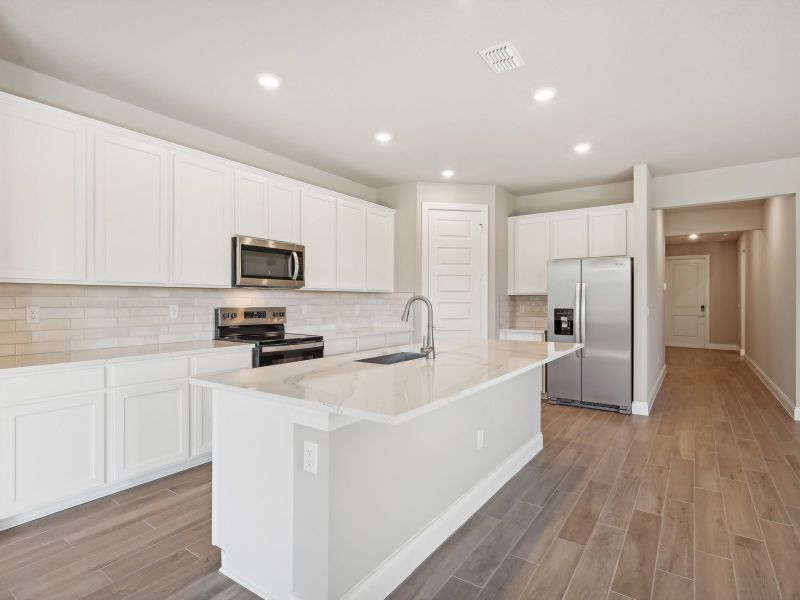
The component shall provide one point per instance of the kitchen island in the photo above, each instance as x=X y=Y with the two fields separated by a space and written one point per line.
x=335 y=478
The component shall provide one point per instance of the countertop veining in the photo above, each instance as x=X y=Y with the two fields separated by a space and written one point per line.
x=391 y=393
x=24 y=363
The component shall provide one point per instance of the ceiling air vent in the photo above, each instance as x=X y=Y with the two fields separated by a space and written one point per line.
x=502 y=57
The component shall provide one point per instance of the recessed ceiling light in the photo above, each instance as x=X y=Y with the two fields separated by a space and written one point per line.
x=582 y=148
x=383 y=136
x=269 y=81
x=447 y=173
x=693 y=236
x=544 y=94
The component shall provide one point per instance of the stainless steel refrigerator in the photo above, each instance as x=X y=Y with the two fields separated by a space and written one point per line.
x=590 y=300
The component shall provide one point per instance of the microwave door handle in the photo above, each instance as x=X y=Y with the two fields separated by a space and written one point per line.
x=296 y=261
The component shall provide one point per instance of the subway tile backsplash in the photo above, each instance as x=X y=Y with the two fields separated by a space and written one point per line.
x=76 y=317
x=524 y=312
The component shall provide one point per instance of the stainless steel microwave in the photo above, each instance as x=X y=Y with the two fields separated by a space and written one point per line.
x=267 y=263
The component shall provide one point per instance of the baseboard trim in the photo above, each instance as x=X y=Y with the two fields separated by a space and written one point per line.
x=391 y=572
x=232 y=575
x=784 y=400
x=98 y=492
x=643 y=408
x=731 y=347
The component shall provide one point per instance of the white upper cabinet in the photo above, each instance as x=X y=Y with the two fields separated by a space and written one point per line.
x=251 y=198
x=202 y=222
x=43 y=193
x=156 y=213
x=380 y=250
x=528 y=253
x=318 y=225
x=283 y=217
x=267 y=208
x=608 y=232
x=569 y=233
x=132 y=210
x=533 y=240
x=351 y=246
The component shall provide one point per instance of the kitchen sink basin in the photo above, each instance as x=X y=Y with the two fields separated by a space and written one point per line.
x=390 y=359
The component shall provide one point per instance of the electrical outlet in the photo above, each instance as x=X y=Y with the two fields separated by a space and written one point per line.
x=480 y=439
x=310 y=457
x=173 y=311
x=32 y=314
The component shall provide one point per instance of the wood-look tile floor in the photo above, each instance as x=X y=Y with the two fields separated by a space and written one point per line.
x=699 y=501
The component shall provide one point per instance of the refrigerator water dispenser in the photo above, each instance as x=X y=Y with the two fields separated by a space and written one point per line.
x=563 y=318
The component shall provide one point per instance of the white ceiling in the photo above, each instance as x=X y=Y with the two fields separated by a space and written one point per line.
x=682 y=85
x=728 y=236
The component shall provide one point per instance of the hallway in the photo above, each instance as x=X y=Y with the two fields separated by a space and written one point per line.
x=701 y=500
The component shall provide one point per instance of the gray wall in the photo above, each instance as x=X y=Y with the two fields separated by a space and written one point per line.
x=770 y=302
x=584 y=197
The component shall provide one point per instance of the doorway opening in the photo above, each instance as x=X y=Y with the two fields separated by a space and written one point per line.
x=730 y=284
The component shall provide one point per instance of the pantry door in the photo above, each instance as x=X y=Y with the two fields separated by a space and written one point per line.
x=455 y=266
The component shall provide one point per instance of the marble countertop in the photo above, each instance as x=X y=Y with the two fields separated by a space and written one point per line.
x=523 y=329
x=11 y=364
x=391 y=393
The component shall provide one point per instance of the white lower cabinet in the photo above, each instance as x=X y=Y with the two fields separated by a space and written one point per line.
x=151 y=426
x=77 y=433
x=51 y=449
x=201 y=397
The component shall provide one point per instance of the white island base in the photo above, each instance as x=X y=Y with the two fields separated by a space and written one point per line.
x=386 y=491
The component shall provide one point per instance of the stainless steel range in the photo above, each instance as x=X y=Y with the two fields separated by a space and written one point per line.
x=264 y=327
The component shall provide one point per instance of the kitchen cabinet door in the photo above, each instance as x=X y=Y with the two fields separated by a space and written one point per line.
x=132 y=210
x=351 y=246
x=151 y=426
x=608 y=232
x=208 y=364
x=318 y=225
x=251 y=206
x=43 y=193
x=284 y=212
x=569 y=235
x=380 y=250
x=531 y=250
x=51 y=449
x=202 y=222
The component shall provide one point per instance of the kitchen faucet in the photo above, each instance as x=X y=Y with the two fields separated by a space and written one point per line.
x=427 y=342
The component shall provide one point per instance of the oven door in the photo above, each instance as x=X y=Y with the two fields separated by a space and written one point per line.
x=278 y=355
x=267 y=263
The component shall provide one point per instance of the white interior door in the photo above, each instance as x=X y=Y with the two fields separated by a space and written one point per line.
x=456 y=265
x=686 y=303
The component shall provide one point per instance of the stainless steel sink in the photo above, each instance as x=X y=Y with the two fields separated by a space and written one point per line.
x=390 y=359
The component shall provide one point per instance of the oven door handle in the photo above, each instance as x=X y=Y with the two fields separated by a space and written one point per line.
x=278 y=349
x=296 y=261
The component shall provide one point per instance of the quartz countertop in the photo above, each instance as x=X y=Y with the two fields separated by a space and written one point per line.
x=391 y=393
x=25 y=363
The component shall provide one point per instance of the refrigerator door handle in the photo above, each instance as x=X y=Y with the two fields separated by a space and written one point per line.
x=583 y=319
x=578 y=324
